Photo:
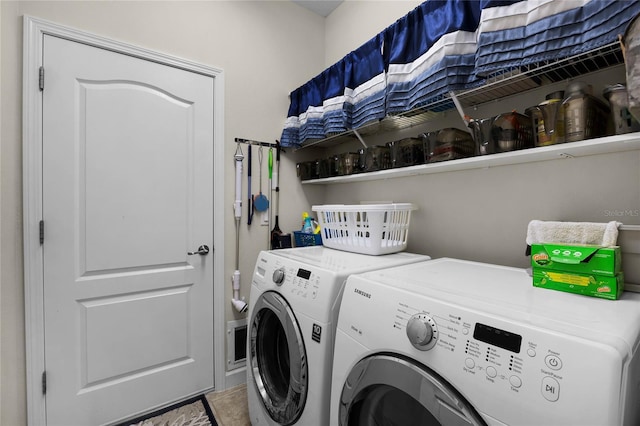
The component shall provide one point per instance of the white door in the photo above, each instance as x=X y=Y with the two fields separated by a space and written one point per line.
x=127 y=193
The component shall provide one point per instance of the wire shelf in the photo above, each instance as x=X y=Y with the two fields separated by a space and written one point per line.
x=496 y=86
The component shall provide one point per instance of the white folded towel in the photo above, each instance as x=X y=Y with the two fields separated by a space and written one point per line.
x=601 y=234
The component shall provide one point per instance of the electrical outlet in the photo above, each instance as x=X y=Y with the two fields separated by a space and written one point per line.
x=264 y=218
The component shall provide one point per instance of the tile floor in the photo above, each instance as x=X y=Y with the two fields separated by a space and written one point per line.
x=230 y=406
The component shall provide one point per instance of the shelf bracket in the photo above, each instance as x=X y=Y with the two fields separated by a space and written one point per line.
x=355 y=132
x=455 y=100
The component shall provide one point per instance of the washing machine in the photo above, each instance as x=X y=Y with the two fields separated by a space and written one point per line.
x=294 y=300
x=452 y=342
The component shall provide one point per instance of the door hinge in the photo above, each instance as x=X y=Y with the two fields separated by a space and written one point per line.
x=44 y=382
x=41 y=78
x=42 y=232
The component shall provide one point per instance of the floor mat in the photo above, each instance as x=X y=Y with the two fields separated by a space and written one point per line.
x=193 y=412
x=230 y=406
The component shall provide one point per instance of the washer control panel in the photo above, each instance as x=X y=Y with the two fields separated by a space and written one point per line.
x=294 y=280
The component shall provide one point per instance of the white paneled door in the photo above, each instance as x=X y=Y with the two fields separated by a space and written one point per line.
x=127 y=194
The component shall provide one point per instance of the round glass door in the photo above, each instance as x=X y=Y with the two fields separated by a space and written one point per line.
x=278 y=359
x=391 y=390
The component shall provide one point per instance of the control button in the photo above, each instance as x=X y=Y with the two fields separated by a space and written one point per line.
x=465 y=331
x=553 y=362
x=550 y=389
x=492 y=372
x=515 y=381
x=531 y=352
x=469 y=363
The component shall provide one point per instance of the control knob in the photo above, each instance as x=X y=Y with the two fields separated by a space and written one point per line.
x=278 y=276
x=422 y=332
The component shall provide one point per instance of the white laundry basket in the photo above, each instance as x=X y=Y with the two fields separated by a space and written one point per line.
x=368 y=228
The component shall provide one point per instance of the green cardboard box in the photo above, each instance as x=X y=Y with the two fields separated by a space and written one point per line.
x=605 y=287
x=581 y=259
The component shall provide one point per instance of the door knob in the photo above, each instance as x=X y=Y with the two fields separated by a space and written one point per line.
x=202 y=250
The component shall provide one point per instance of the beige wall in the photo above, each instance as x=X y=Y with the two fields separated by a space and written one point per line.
x=259 y=47
x=355 y=22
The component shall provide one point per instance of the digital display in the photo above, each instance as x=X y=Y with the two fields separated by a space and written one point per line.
x=496 y=337
x=303 y=273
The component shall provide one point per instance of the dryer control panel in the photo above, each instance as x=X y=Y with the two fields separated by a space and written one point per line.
x=509 y=361
x=485 y=353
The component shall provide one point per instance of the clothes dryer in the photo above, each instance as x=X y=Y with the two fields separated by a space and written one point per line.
x=294 y=301
x=452 y=342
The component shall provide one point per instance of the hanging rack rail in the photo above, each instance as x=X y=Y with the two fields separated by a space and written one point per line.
x=251 y=142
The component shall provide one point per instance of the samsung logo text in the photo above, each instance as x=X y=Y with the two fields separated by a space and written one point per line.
x=362 y=293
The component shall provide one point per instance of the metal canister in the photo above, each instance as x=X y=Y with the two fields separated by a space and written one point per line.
x=623 y=121
x=512 y=131
x=482 y=135
x=540 y=137
x=551 y=130
x=585 y=116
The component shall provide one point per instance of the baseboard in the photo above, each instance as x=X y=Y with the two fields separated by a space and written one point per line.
x=235 y=378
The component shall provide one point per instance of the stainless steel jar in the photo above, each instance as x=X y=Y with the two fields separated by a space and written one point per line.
x=585 y=116
x=550 y=129
x=482 y=135
x=512 y=131
x=623 y=121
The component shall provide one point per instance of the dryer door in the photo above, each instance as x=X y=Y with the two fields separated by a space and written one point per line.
x=278 y=359
x=389 y=389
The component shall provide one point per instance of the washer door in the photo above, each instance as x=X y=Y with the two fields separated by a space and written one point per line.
x=278 y=359
x=391 y=390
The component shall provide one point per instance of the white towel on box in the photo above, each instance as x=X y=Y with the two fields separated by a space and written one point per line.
x=601 y=234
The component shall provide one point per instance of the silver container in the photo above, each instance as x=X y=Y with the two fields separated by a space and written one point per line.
x=483 y=135
x=308 y=170
x=349 y=163
x=585 y=116
x=449 y=144
x=408 y=151
x=328 y=167
x=550 y=129
x=377 y=157
x=623 y=121
x=512 y=131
